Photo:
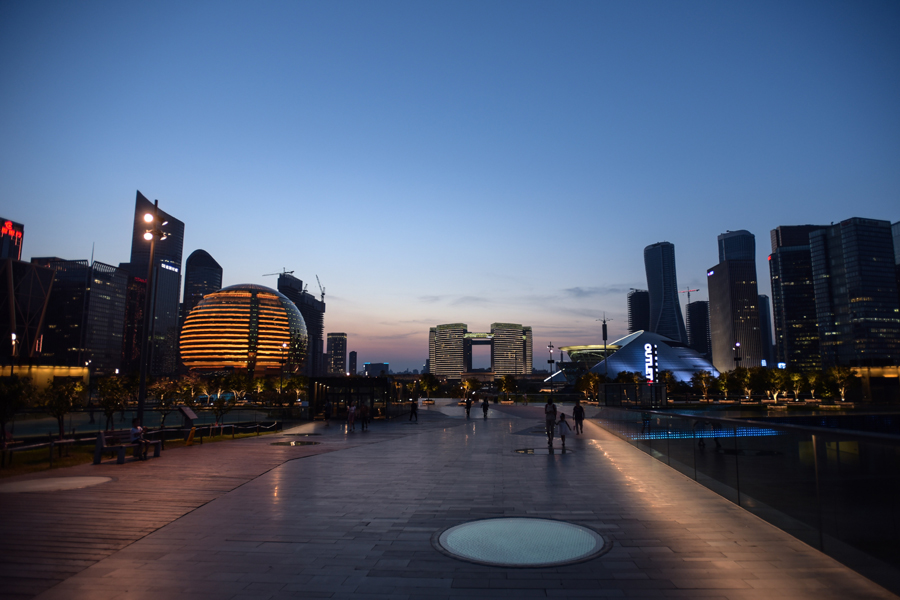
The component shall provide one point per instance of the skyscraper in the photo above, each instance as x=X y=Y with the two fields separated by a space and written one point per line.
x=697 y=314
x=855 y=284
x=793 y=297
x=448 y=350
x=733 y=304
x=352 y=360
x=85 y=315
x=24 y=293
x=202 y=275
x=895 y=231
x=510 y=349
x=765 y=329
x=166 y=282
x=662 y=284
x=638 y=310
x=313 y=311
x=337 y=353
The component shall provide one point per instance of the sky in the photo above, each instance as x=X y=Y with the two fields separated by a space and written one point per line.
x=442 y=162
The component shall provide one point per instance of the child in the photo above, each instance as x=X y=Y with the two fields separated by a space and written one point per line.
x=563 y=428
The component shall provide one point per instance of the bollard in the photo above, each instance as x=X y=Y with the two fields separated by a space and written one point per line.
x=257 y=429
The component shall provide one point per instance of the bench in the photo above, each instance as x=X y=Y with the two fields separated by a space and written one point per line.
x=119 y=442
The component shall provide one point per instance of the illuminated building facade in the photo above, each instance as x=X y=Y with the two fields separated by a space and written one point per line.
x=855 y=283
x=166 y=282
x=337 y=354
x=450 y=349
x=794 y=297
x=11 y=236
x=662 y=284
x=244 y=327
x=630 y=354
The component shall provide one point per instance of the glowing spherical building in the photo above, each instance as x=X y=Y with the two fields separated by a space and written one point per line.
x=244 y=327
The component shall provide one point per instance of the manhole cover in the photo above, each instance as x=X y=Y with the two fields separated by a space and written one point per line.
x=301 y=434
x=51 y=484
x=521 y=542
x=294 y=443
x=544 y=451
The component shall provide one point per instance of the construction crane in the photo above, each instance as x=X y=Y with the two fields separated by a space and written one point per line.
x=321 y=289
x=688 y=292
x=283 y=272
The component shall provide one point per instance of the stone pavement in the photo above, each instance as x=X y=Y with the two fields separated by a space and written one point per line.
x=356 y=516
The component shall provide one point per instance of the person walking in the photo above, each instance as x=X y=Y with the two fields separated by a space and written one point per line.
x=328 y=412
x=468 y=406
x=563 y=427
x=485 y=406
x=414 y=410
x=578 y=415
x=550 y=419
x=351 y=417
x=364 y=416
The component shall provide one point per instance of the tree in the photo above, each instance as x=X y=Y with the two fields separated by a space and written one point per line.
x=667 y=378
x=296 y=385
x=777 y=383
x=429 y=384
x=471 y=385
x=843 y=378
x=508 y=385
x=61 y=398
x=111 y=394
x=740 y=377
x=723 y=383
x=703 y=381
x=15 y=394
x=165 y=391
x=796 y=381
x=814 y=379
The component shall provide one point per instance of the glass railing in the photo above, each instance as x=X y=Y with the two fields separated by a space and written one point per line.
x=838 y=491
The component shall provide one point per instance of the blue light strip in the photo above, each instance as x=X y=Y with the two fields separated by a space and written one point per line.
x=697 y=434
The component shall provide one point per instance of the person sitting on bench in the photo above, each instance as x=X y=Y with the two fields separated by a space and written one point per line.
x=137 y=437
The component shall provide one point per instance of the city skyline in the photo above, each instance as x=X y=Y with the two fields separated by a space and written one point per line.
x=498 y=159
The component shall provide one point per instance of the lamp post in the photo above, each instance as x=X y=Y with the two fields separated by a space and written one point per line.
x=153 y=233
x=550 y=362
x=281 y=379
x=737 y=357
x=605 y=355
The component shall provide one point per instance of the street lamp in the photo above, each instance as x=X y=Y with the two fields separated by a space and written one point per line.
x=281 y=379
x=550 y=362
x=153 y=233
x=737 y=357
x=12 y=356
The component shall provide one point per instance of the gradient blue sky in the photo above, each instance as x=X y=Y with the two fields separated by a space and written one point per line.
x=438 y=162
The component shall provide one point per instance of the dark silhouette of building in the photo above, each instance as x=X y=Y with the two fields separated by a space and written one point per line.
x=697 y=316
x=11 y=236
x=662 y=284
x=895 y=231
x=794 y=298
x=85 y=320
x=337 y=353
x=135 y=297
x=166 y=282
x=202 y=276
x=376 y=369
x=352 y=368
x=24 y=292
x=855 y=282
x=638 y=311
x=734 y=330
x=313 y=311
x=765 y=330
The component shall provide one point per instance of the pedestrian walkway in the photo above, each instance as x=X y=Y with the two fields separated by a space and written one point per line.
x=361 y=513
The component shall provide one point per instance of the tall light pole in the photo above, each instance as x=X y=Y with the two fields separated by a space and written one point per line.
x=12 y=356
x=153 y=233
x=281 y=379
x=605 y=355
x=550 y=362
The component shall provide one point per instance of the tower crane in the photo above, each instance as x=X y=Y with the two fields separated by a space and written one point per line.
x=283 y=272
x=688 y=292
x=321 y=289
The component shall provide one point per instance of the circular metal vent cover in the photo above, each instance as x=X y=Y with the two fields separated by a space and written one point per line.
x=521 y=542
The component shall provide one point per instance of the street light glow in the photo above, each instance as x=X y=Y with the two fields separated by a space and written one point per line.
x=148 y=218
x=148 y=236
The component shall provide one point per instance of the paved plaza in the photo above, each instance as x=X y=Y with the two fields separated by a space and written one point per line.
x=359 y=513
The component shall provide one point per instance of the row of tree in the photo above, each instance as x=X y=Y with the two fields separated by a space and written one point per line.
x=748 y=382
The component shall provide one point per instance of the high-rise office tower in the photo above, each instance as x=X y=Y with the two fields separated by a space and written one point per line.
x=166 y=282
x=448 y=351
x=85 y=320
x=734 y=304
x=337 y=353
x=895 y=231
x=510 y=348
x=793 y=297
x=528 y=338
x=697 y=316
x=638 y=310
x=11 y=237
x=313 y=311
x=855 y=283
x=662 y=284
x=352 y=360
x=202 y=276
x=765 y=330
x=135 y=300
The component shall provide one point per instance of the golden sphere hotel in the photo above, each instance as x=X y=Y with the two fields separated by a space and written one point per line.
x=244 y=327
